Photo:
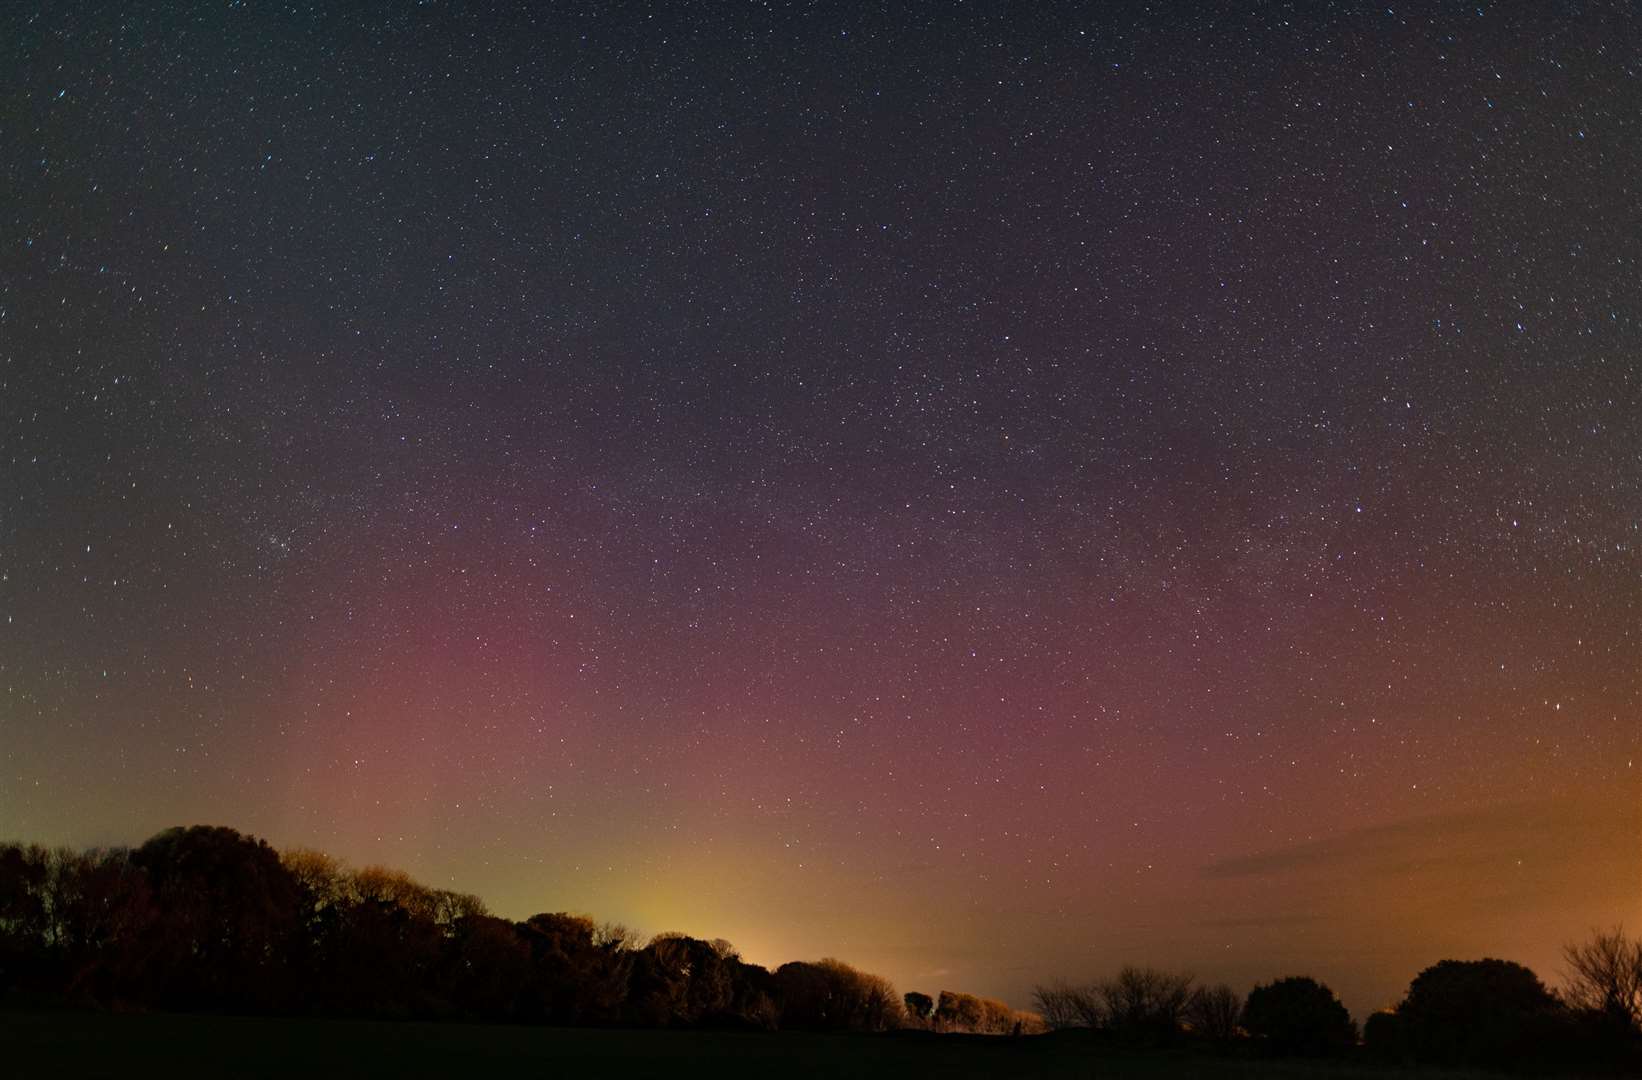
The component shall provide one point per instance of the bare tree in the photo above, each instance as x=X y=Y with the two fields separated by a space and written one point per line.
x=1146 y=1002
x=1213 y=1012
x=1604 y=975
x=615 y=937
x=1064 y=1005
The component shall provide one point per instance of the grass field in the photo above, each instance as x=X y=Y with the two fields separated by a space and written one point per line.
x=69 y=1044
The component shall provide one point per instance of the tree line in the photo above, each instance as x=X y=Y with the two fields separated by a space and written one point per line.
x=1472 y=1013
x=204 y=918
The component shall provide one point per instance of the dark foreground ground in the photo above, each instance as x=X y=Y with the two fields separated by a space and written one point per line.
x=71 y=1044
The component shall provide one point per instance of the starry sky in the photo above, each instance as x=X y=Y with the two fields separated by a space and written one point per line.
x=989 y=492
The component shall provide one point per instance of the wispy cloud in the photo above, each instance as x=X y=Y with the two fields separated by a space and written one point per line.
x=1458 y=837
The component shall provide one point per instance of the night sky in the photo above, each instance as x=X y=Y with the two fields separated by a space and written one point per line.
x=988 y=493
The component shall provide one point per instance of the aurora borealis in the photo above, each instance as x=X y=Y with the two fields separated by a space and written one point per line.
x=986 y=494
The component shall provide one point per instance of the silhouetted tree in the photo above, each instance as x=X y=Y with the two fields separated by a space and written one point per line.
x=1299 y=1015
x=997 y=1018
x=73 y=924
x=395 y=888
x=579 y=979
x=1213 y=1012
x=863 y=1001
x=1064 y=1005
x=323 y=880
x=958 y=1012
x=1029 y=1023
x=615 y=936
x=982 y=1016
x=205 y=917
x=1604 y=978
x=752 y=997
x=804 y=996
x=1383 y=1037
x=1146 y=1005
x=831 y=995
x=487 y=968
x=105 y=912
x=681 y=980
x=374 y=942
x=25 y=917
x=384 y=959
x=703 y=972
x=228 y=911
x=324 y=889
x=1473 y=1012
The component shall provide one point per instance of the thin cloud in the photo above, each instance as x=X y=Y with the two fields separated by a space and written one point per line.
x=1437 y=838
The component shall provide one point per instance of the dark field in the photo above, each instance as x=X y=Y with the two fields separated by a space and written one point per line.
x=61 y=1044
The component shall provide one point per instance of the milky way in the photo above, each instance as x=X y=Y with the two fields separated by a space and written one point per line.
x=989 y=496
